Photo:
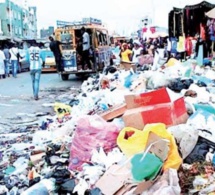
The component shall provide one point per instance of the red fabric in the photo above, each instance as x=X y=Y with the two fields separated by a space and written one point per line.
x=152 y=29
x=202 y=32
x=188 y=46
x=144 y=30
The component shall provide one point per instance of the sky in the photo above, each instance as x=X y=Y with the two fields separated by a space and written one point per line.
x=120 y=15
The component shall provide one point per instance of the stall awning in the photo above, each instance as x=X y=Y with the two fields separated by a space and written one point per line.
x=211 y=13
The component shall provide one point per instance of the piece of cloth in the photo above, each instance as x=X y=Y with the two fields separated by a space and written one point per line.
x=14 y=53
x=136 y=54
x=173 y=45
x=181 y=44
x=202 y=32
x=125 y=55
x=35 y=58
x=2 y=66
x=35 y=77
x=188 y=46
x=86 y=41
x=14 y=64
x=169 y=45
x=200 y=54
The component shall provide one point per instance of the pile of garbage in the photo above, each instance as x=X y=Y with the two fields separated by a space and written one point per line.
x=125 y=132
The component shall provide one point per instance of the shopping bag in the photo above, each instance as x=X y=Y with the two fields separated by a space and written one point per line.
x=147 y=165
x=131 y=141
x=173 y=160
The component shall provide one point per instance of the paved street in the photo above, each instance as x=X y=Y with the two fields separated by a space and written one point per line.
x=16 y=94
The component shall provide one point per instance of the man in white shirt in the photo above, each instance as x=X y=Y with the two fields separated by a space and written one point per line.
x=35 y=67
x=86 y=47
x=14 y=53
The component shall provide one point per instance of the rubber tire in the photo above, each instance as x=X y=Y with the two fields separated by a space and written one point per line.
x=65 y=77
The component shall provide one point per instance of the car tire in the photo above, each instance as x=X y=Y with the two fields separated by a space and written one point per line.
x=65 y=77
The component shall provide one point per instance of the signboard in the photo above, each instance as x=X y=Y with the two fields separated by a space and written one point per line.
x=85 y=21
x=63 y=23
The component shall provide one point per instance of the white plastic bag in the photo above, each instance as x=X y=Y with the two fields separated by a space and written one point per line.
x=168 y=184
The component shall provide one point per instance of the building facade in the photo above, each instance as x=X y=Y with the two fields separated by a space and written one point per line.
x=17 y=20
x=45 y=33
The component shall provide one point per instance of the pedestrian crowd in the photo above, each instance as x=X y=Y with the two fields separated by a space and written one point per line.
x=9 y=60
x=148 y=53
x=11 y=56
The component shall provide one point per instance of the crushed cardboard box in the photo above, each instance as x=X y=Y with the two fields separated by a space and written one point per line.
x=154 y=107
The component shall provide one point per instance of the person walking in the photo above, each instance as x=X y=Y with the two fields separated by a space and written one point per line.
x=35 y=68
x=7 y=60
x=2 y=67
x=14 y=53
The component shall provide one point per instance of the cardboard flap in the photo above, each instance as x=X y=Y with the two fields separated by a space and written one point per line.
x=113 y=179
x=145 y=185
x=159 y=96
x=160 y=147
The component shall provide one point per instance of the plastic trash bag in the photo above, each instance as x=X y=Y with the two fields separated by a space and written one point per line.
x=168 y=184
x=186 y=137
x=204 y=122
x=173 y=160
x=92 y=132
x=130 y=141
x=139 y=142
x=145 y=168
x=62 y=110
x=44 y=187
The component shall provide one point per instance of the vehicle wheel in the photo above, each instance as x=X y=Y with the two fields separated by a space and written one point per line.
x=65 y=77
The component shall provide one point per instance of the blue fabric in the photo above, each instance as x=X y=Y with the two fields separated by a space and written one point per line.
x=14 y=67
x=174 y=45
x=213 y=160
x=212 y=38
x=200 y=56
x=35 y=77
x=206 y=61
